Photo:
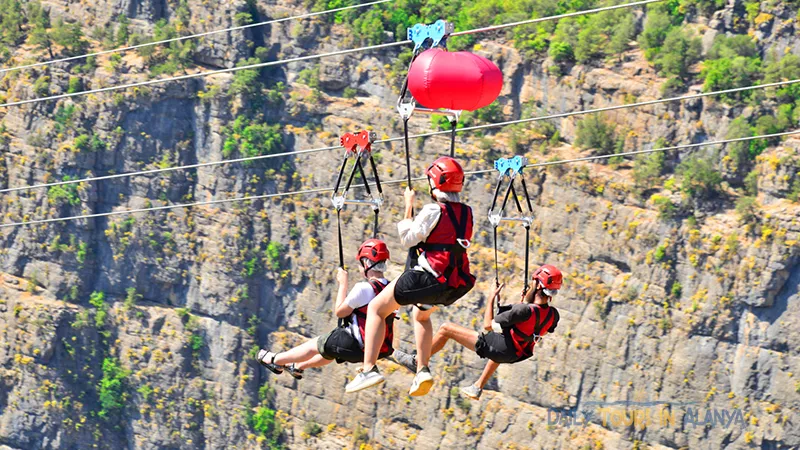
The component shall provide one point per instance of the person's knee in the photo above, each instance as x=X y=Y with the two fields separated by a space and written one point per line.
x=447 y=328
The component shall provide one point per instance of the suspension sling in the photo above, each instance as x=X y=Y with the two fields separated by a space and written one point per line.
x=424 y=37
x=357 y=147
x=509 y=169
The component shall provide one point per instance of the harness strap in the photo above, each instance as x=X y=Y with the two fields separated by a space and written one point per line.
x=339 y=235
x=456 y=250
x=529 y=338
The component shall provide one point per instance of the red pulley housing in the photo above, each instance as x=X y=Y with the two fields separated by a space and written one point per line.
x=454 y=80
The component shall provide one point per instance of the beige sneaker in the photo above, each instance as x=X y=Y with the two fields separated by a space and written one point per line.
x=423 y=383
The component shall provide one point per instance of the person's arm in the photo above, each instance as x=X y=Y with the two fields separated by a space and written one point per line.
x=413 y=231
x=488 y=315
x=361 y=294
x=408 y=196
x=341 y=295
x=518 y=313
x=555 y=321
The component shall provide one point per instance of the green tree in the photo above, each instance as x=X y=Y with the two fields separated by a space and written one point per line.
x=786 y=68
x=648 y=168
x=595 y=133
x=69 y=36
x=739 y=152
x=11 y=21
x=123 y=31
x=39 y=20
x=678 y=52
x=656 y=27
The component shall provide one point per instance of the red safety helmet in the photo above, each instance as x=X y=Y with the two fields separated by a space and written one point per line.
x=374 y=250
x=550 y=278
x=447 y=174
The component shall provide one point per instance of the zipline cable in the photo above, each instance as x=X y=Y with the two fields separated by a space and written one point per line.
x=318 y=56
x=193 y=36
x=328 y=189
x=395 y=139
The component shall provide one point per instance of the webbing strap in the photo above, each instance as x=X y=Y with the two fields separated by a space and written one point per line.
x=412 y=252
x=526 y=286
x=339 y=232
x=453 y=126
x=339 y=178
x=375 y=172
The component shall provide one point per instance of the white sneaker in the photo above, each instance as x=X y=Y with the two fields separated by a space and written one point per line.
x=423 y=383
x=364 y=380
x=472 y=392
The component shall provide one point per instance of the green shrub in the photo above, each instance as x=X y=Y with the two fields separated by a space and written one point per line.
x=349 y=93
x=273 y=255
x=80 y=254
x=112 y=389
x=700 y=179
x=243 y=18
x=648 y=168
x=131 y=297
x=664 y=206
x=75 y=85
x=196 y=342
x=263 y=422
x=676 y=290
x=98 y=300
x=42 y=86
x=561 y=52
x=595 y=133
x=64 y=193
x=660 y=253
x=794 y=193
x=312 y=428
x=251 y=137
x=747 y=210
x=739 y=152
x=309 y=77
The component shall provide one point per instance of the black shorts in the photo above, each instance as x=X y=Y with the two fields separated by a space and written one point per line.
x=340 y=345
x=419 y=286
x=498 y=347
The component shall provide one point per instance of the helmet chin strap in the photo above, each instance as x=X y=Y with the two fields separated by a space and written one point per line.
x=367 y=269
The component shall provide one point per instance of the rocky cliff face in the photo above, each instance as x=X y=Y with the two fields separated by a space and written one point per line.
x=138 y=331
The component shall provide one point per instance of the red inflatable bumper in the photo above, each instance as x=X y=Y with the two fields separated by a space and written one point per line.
x=454 y=80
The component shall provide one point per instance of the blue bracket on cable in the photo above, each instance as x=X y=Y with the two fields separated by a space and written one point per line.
x=511 y=166
x=436 y=32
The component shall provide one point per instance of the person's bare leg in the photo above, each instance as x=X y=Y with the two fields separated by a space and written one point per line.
x=316 y=361
x=377 y=312
x=488 y=371
x=301 y=353
x=462 y=335
x=423 y=334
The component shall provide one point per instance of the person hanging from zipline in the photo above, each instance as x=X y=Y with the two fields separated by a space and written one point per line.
x=345 y=343
x=510 y=336
x=437 y=275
